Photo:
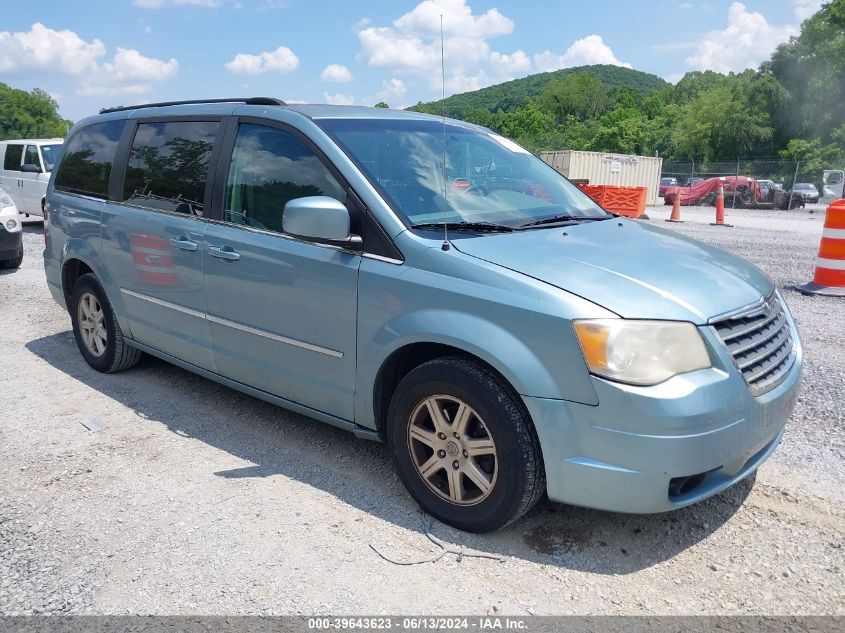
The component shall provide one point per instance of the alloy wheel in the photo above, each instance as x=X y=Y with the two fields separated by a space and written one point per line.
x=92 y=325
x=452 y=450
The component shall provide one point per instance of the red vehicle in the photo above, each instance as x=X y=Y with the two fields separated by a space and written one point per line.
x=704 y=192
x=665 y=183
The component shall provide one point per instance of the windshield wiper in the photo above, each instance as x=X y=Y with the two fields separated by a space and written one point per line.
x=561 y=219
x=475 y=227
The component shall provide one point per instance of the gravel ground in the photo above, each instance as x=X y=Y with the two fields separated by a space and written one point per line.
x=195 y=499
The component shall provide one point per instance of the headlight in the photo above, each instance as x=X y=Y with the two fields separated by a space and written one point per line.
x=641 y=352
x=11 y=224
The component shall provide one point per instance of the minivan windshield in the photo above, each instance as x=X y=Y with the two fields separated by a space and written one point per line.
x=50 y=153
x=488 y=180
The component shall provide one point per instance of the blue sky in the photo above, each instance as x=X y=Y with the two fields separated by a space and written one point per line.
x=93 y=54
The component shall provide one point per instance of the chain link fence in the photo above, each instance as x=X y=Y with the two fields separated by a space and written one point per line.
x=748 y=183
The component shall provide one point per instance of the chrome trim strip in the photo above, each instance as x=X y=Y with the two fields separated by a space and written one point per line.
x=163 y=303
x=381 y=258
x=285 y=236
x=275 y=337
x=235 y=325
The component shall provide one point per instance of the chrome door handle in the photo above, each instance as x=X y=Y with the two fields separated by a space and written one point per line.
x=224 y=252
x=184 y=244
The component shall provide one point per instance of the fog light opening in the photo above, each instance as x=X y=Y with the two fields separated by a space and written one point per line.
x=681 y=486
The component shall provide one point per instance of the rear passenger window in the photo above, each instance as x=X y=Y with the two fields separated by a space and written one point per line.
x=12 y=161
x=168 y=166
x=86 y=165
x=269 y=168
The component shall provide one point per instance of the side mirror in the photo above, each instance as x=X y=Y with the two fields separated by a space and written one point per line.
x=30 y=168
x=320 y=219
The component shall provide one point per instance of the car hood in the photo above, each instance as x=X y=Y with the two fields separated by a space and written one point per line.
x=631 y=268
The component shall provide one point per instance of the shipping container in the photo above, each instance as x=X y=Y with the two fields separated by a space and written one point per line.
x=602 y=168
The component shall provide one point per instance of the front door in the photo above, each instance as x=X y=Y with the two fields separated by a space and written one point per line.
x=282 y=311
x=153 y=239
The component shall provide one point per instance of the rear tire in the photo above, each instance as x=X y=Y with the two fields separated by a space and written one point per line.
x=98 y=335
x=464 y=445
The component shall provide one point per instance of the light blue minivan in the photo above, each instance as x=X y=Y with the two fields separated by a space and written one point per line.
x=428 y=283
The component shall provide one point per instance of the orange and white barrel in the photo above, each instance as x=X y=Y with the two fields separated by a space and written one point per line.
x=829 y=278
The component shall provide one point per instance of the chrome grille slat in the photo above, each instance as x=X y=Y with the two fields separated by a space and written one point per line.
x=765 y=349
x=760 y=343
x=774 y=331
x=729 y=336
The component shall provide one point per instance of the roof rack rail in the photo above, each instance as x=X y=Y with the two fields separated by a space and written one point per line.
x=246 y=100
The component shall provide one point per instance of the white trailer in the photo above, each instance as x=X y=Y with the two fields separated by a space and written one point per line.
x=604 y=168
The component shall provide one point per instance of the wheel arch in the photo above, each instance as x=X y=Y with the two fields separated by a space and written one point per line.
x=512 y=361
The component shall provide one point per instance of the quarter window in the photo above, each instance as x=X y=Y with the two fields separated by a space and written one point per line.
x=12 y=160
x=269 y=168
x=87 y=161
x=168 y=166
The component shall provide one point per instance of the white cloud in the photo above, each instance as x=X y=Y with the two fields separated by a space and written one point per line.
x=338 y=99
x=336 y=73
x=157 y=4
x=745 y=42
x=803 y=9
x=42 y=48
x=586 y=51
x=458 y=20
x=686 y=6
x=281 y=60
x=392 y=90
x=411 y=45
x=130 y=65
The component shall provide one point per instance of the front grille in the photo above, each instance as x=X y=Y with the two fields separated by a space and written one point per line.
x=760 y=342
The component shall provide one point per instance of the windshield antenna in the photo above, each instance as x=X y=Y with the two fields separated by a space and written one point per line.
x=445 y=245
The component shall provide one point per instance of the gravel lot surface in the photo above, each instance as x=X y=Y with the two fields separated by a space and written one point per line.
x=196 y=499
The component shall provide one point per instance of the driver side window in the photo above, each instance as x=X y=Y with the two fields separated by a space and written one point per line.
x=270 y=167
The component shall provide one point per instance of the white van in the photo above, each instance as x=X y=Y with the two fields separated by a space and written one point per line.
x=26 y=170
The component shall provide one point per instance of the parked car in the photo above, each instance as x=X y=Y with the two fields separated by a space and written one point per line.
x=26 y=170
x=11 y=242
x=665 y=183
x=694 y=180
x=506 y=339
x=807 y=191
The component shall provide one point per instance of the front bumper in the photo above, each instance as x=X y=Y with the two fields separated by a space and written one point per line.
x=11 y=243
x=626 y=453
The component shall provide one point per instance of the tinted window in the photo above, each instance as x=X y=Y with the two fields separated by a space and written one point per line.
x=86 y=166
x=168 y=165
x=269 y=168
x=13 y=157
x=31 y=156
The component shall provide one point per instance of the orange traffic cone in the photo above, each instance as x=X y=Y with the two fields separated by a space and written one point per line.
x=720 y=208
x=829 y=278
x=676 y=207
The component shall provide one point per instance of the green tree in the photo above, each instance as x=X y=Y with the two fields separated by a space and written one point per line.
x=381 y=104
x=580 y=95
x=29 y=115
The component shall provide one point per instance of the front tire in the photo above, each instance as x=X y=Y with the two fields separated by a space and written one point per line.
x=15 y=262
x=464 y=445
x=98 y=335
